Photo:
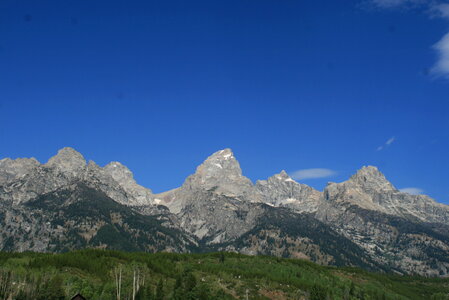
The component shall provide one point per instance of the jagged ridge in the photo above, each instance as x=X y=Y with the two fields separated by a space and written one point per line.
x=217 y=208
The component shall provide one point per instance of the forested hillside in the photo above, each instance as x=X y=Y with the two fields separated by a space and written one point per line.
x=100 y=274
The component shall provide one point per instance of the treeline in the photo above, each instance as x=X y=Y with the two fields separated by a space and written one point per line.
x=104 y=274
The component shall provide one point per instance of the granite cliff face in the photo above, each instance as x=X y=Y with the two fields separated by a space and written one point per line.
x=365 y=221
x=22 y=180
x=215 y=202
x=369 y=189
x=397 y=229
x=281 y=190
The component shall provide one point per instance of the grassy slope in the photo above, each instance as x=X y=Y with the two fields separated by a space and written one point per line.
x=215 y=276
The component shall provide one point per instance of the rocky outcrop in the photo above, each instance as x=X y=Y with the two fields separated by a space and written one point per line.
x=365 y=221
x=281 y=190
x=78 y=216
x=396 y=229
x=11 y=170
x=214 y=203
x=24 y=179
x=369 y=189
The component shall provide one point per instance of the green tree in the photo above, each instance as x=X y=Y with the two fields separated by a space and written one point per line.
x=201 y=292
x=318 y=293
x=190 y=282
x=159 y=290
x=52 y=289
x=352 y=289
x=144 y=293
x=178 y=291
x=21 y=295
x=222 y=257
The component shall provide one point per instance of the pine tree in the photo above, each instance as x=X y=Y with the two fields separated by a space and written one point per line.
x=160 y=290
x=318 y=293
x=144 y=293
x=190 y=282
x=352 y=289
x=52 y=289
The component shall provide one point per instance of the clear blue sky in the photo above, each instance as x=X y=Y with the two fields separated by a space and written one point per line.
x=160 y=85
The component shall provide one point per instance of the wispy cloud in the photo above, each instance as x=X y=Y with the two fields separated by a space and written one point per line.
x=390 y=140
x=435 y=9
x=387 y=144
x=441 y=67
x=312 y=173
x=440 y=10
x=412 y=190
x=390 y=4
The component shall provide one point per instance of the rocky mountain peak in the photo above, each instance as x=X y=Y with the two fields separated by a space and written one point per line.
x=220 y=164
x=11 y=169
x=67 y=159
x=370 y=178
x=220 y=171
x=281 y=190
x=119 y=172
x=282 y=176
x=223 y=154
x=92 y=166
x=223 y=157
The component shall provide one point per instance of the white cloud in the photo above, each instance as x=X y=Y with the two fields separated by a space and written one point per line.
x=397 y=3
x=387 y=144
x=440 y=10
x=312 y=173
x=441 y=67
x=412 y=190
x=390 y=140
x=436 y=9
x=389 y=3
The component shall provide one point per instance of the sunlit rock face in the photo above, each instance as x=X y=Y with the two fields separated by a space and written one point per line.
x=25 y=179
x=369 y=189
x=11 y=170
x=220 y=172
x=365 y=221
x=214 y=203
x=281 y=190
x=395 y=228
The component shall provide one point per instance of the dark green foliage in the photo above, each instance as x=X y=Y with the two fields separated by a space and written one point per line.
x=159 y=294
x=208 y=276
x=318 y=293
x=344 y=251
x=111 y=236
x=405 y=228
x=145 y=293
x=352 y=289
x=134 y=231
x=190 y=282
x=52 y=289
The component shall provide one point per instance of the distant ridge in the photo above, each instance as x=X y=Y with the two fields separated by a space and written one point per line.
x=68 y=203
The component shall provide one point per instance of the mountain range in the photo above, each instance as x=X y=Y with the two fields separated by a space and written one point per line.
x=68 y=203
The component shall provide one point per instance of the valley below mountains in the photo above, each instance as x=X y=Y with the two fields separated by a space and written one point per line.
x=68 y=204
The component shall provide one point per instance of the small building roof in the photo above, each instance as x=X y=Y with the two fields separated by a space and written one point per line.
x=78 y=297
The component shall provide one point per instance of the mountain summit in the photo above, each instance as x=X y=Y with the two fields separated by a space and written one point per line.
x=220 y=171
x=27 y=178
x=364 y=221
x=68 y=160
x=280 y=190
x=370 y=178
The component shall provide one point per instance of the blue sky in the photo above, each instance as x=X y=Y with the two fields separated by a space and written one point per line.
x=295 y=85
